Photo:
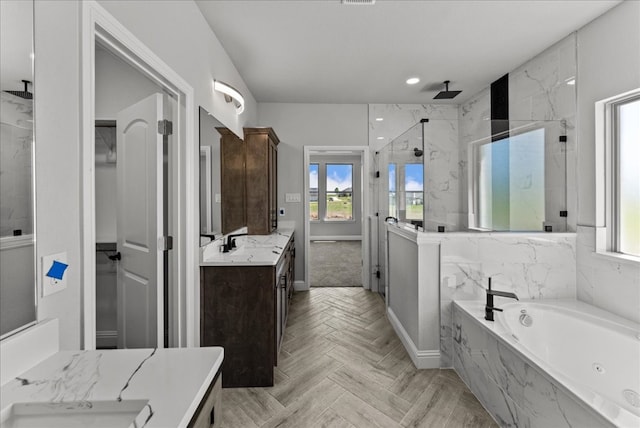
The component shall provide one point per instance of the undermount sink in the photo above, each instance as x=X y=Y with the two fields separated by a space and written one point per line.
x=95 y=414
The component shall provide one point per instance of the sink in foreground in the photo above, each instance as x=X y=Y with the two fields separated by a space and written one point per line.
x=101 y=414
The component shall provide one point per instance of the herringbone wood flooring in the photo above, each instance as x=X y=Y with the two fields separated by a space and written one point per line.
x=342 y=365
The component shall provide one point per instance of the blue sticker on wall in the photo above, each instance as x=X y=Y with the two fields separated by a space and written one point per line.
x=57 y=270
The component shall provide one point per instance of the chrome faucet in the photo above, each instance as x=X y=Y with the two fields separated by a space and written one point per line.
x=489 y=308
x=231 y=242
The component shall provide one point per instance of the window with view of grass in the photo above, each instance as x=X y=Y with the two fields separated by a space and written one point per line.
x=313 y=191
x=414 y=191
x=339 y=192
x=626 y=180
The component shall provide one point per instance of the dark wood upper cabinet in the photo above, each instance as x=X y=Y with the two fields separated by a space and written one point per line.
x=261 y=172
x=232 y=181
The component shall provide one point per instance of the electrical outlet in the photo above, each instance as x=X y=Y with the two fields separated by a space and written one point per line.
x=292 y=197
x=54 y=273
x=281 y=211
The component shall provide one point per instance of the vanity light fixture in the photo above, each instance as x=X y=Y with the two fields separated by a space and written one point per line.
x=413 y=80
x=231 y=94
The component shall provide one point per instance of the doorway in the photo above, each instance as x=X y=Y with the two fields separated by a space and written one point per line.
x=131 y=175
x=336 y=206
x=167 y=193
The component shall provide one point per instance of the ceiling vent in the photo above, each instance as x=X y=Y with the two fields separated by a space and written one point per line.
x=358 y=2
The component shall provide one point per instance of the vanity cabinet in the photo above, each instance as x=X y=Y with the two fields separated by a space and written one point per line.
x=232 y=181
x=261 y=171
x=244 y=309
x=209 y=412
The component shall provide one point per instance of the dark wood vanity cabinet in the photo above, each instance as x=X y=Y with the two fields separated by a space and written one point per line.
x=244 y=309
x=232 y=181
x=261 y=177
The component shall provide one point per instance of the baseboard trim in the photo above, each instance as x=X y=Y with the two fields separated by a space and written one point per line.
x=300 y=286
x=336 y=238
x=106 y=339
x=429 y=359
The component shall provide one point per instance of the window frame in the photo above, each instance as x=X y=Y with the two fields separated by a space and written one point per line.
x=319 y=219
x=607 y=156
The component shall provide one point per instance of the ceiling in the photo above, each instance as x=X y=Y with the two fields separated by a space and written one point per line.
x=321 y=51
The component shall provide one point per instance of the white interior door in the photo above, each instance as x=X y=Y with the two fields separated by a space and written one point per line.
x=140 y=224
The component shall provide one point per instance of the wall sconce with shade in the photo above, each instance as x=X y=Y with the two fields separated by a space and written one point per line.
x=231 y=95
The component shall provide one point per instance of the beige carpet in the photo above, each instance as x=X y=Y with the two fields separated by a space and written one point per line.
x=335 y=263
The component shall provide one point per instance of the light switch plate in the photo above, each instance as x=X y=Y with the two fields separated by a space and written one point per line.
x=292 y=197
x=51 y=285
x=282 y=211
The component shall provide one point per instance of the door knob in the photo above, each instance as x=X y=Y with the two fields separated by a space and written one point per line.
x=116 y=256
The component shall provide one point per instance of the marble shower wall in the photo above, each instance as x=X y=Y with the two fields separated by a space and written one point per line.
x=442 y=172
x=16 y=134
x=533 y=266
x=543 y=88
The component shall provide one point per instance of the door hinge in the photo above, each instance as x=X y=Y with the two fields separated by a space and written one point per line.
x=377 y=174
x=562 y=138
x=564 y=213
x=377 y=274
x=165 y=127
x=165 y=243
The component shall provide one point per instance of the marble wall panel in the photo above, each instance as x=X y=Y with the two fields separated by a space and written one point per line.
x=613 y=285
x=515 y=392
x=16 y=135
x=532 y=266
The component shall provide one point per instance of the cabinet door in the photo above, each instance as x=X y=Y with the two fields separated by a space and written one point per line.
x=209 y=413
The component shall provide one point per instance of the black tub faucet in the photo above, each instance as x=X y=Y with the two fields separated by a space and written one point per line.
x=489 y=308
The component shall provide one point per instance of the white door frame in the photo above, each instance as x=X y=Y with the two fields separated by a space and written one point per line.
x=99 y=25
x=364 y=211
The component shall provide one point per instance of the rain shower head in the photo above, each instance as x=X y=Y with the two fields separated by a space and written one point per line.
x=417 y=152
x=446 y=94
x=23 y=94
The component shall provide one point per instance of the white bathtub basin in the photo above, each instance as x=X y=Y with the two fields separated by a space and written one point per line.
x=95 y=414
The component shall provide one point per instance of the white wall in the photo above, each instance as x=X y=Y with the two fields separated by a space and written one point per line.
x=178 y=33
x=299 y=125
x=608 y=64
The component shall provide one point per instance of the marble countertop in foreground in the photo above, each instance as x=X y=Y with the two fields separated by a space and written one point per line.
x=253 y=250
x=174 y=381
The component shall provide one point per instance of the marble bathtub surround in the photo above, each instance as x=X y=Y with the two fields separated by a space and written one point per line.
x=263 y=250
x=533 y=266
x=513 y=388
x=171 y=381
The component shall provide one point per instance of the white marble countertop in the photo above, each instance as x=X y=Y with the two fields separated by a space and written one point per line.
x=171 y=381
x=253 y=250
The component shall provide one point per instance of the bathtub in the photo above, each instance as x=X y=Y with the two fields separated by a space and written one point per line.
x=550 y=363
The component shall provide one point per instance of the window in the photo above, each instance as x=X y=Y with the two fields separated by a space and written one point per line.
x=414 y=191
x=625 y=208
x=313 y=191
x=509 y=177
x=392 y=190
x=339 y=192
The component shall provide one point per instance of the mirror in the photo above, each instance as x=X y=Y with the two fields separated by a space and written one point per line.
x=210 y=192
x=17 y=219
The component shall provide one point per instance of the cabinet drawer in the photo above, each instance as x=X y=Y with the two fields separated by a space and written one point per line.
x=209 y=413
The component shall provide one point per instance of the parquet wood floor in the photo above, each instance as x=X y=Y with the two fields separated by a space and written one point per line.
x=342 y=365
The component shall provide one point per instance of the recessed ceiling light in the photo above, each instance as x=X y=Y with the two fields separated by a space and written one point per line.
x=571 y=81
x=380 y=138
x=413 y=80
x=379 y=119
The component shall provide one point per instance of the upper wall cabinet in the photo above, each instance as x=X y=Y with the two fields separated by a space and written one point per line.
x=232 y=181
x=261 y=171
